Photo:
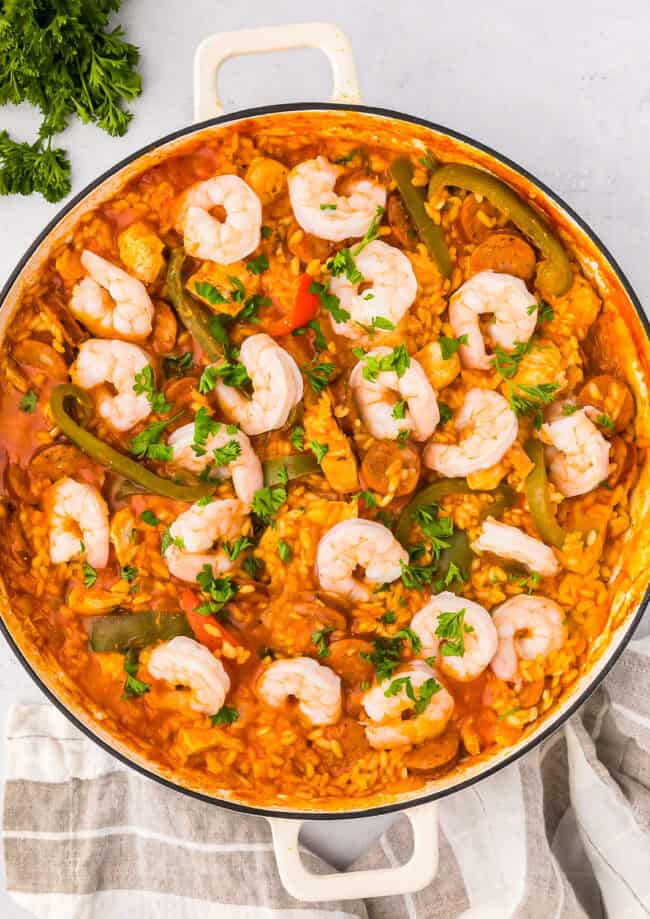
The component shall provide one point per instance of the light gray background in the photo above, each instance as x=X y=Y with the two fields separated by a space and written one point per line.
x=561 y=86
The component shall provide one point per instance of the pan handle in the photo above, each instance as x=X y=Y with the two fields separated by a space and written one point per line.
x=417 y=873
x=216 y=49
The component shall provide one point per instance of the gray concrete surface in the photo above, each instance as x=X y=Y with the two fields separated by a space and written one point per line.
x=561 y=86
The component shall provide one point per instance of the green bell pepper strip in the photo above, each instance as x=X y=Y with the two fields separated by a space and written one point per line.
x=96 y=449
x=539 y=502
x=122 y=631
x=431 y=235
x=504 y=497
x=295 y=467
x=554 y=275
x=205 y=327
x=460 y=553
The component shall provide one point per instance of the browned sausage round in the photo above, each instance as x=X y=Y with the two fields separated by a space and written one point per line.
x=504 y=252
x=345 y=659
x=473 y=228
x=612 y=398
x=434 y=753
x=386 y=455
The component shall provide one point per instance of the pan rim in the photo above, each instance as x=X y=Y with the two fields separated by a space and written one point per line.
x=622 y=641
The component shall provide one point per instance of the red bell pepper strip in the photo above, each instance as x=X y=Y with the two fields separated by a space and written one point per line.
x=207 y=629
x=305 y=307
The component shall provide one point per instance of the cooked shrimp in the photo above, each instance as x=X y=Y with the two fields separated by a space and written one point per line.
x=528 y=627
x=317 y=688
x=393 y=289
x=580 y=453
x=491 y=428
x=389 y=729
x=468 y=630
x=78 y=522
x=376 y=402
x=508 y=299
x=207 y=237
x=511 y=542
x=358 y=543
x=105 y=360
x=110 y=302
x=196 y=530
x=277 y=387
x=245 y=469
x=183 y=661
x=323 y=213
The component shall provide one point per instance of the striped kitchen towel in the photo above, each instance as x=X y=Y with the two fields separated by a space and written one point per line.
x=563 y=833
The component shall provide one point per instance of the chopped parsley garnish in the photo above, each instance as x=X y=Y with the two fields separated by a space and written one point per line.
x=145 y=385
x=321 y=640
x=28 y=402
x=388 y=618
x=449 y=346
x=210 y=293
x=428 y=689
x=386 y=652
x=90 y=575
x=204 y=500
x=545 y=312
x=329 y=302
x=328 y=207
x=234 y=549
x=252 y=566
x=297 y=438
x=402 y=438
x=177 y=365
x=529 y=582
x=368 y=498
x=530 y=400
x=319 y=450
x=320 y=342
x=428 y=161
x=378 y=322
x=399 y=410
x=506 y=363
x=268 y=501
x=238 y=291
x=446 y=413
x=266 y=652
x=150 y=518
x=169 y=540
x=371 y=233
x=226 y=715
x=133 y=686
x=343 y=263
x=219 y=591
x=128 y=573
x=227 y=454
x=284 y=551
x=569 y=409
x=251 y=308
x=204 y=427
x=318 y=374
x=452 y=629
x=398 y=361
x=258 y=265
x=344 y=160
x=266 y=232
x=232 y=373
x=436 y=528
x=605 y=421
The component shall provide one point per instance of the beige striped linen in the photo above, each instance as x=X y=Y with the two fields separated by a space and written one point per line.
x=564 y=833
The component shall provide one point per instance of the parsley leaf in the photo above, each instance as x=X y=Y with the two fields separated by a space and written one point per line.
x=320 y=342
x=318 y=374
x=344 y=160
x=234 y=549
x=452 y=629
x=436 y=528
x=297 y=438
x=319 y=450
x=320 y=639
x=388 y=618
x=128 y=573
x=368 y=498
x=218 y=590
x=268 y=501
x=371 y=233
x=398 y=361
x=28 y=402
x=529 y=400
x=605 y=421
x=446 y=413
x=169 y=540
x=145 y=385
x=386 y=652
x=399 y=410
x=428 y=689
x=284 y=551
x=232 y=373
x=506 y=363
x=150 y=518
x=449 y=346
x=204 y=427
x=545 y=312
x=328 y=207
x=266 y=232
x=133 y=686
x=90 y=575
x=226 y=715
x=210 y=293
x=329 y=302
x=258 y=265
x=343 y=263
x=569 y=409
x=177 y=365
x=227 y=454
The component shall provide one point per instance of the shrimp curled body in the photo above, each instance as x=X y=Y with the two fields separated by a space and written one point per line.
x=479 y=636
x=78 y=521
x=277 y=387
x=579 y=455
x=387 y=729
x=207 y=237
x=102 y=360
x=511 y=542
x=245 y=470
x=393 y=289
x=508 y=299
x=186 y=662
x=110 y=302
x=528 y=627
x=358 y=543
x=323 y=213
x=376 y=407
x=492 y=428
x=317 y=688
x=195 y=531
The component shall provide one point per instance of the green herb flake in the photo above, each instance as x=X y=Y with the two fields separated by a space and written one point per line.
x=368 y=498
x=297 y=438
x=268 y=501
x=177 y=365
x=318 y=374
x=227 y=454
x=145 y=385
x=132 y=685
x=89 y=573
x=328 y=207
x=319 y=450
x=267 y=232
x=530 y=400
x=128 y=573
x=388 y=618
x=258 y=265
x=226 y=715
x=28 y=402
x=605 y=421
x=569 y=409
x=219 y=590
x=399 y=410
x=449 y=346
x=234 y=549
x=150 y=518
x=284 y=551
x=321 y=640
x=446 y=413
x=329 y=302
